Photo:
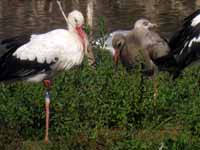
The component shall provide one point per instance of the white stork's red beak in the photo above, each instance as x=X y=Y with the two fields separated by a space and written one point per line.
x=81 y=34
x=88 y=49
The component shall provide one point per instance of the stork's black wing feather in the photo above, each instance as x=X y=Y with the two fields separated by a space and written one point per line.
x=185 y=33
x=12 y=68
x=10 y=45
x=184 y=47
x=184 y=44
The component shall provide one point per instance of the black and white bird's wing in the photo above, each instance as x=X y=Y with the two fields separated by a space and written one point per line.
x=182 y=41
x=190 y=53
x=11 y=44
x=14 y=67
x=42 y=56
x=184 y=45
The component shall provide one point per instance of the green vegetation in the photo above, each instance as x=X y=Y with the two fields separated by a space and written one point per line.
x=101 y=109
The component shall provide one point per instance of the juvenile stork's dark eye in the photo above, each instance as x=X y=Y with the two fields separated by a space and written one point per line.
x=119 y=44
x=145 y=23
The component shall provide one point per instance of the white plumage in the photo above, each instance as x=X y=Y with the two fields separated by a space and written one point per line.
x=195 y=39
x=60 y=47
x=195 y=21
x=39 y=57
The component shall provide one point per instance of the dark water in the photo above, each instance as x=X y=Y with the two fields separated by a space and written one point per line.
x=38 y=16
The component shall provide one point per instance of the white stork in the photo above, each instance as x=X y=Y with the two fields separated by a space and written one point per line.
x=39 y=57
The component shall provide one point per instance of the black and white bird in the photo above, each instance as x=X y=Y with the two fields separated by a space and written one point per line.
x=37 y=58
x=184 y=45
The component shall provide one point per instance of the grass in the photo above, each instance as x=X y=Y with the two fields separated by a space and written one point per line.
x=100 y=109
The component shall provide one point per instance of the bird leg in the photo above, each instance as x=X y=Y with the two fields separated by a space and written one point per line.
x=47 y=84
x=155 y=91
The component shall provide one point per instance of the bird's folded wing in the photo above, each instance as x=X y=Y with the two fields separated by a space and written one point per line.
x=14 y=67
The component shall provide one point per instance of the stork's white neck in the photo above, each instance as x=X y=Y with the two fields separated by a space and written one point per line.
x=71 y=28
x=81 y=34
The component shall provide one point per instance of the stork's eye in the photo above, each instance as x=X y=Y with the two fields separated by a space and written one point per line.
x=145 y=23
x=119 y=44
x=76 y=21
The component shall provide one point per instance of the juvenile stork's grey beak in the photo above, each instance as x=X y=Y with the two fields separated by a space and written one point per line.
x=152 y=25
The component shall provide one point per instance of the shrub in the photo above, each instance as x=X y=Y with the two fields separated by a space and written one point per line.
x=91 y=103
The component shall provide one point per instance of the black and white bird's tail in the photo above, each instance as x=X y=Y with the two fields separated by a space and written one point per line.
x=10 y=45
x=185 y=33
x=7 y=48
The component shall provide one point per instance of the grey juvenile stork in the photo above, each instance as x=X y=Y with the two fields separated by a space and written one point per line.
x=140 y=45
x=105 y=42
x=140 y=40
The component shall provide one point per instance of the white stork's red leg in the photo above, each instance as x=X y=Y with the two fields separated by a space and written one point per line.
x=47 y=84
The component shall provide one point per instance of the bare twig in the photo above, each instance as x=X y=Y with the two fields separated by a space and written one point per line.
x=61 y=9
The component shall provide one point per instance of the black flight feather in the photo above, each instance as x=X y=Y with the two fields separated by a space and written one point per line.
x=12 y=68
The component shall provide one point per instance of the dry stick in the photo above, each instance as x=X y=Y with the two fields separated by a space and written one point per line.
x=90 y=14
x=61 y=9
